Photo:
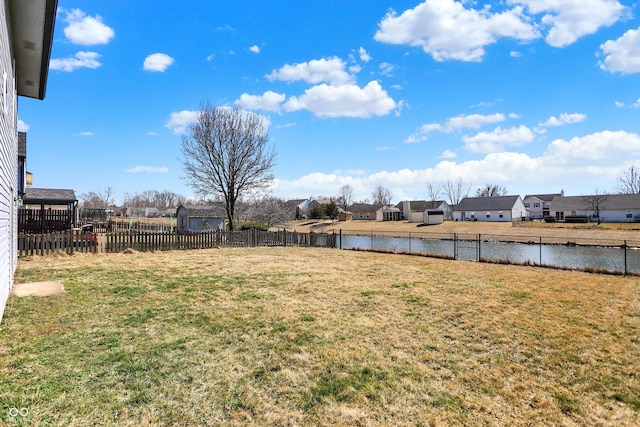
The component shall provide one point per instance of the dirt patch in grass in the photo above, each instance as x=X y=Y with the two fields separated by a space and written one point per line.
x=292 y=336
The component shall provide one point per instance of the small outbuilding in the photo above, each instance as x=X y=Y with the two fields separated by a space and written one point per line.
x=433 y=217
x=199 y=218
x=46 y=210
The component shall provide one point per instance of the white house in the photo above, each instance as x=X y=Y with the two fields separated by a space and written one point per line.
x=539 y=205
x=416 y=210
x=492 y=209
x=613 y=207
x=26 y=35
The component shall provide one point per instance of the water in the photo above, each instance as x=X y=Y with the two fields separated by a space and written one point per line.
x=611 y=259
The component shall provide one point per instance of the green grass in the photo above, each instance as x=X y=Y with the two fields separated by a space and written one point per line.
x=287 y=336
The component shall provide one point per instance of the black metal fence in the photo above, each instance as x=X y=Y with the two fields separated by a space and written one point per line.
x=594 y=255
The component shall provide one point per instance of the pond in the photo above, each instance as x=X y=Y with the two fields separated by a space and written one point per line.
x=607 y=258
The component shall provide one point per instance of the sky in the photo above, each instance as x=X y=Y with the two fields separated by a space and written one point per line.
x=537 y=96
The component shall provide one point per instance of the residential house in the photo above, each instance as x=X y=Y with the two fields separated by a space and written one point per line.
x=199 y=218
x=492 y=209
x=613 y=207
x=364 y=211
x=539 y=205
x=26 y=35
x=415 y=210
x=388 y=213
x=293 y=208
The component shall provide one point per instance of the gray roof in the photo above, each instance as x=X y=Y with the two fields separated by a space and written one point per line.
x=364 y=207
x=210 y=211
x=22 y=144
x=612 y=202
x=487 y=203
x=52 y=196
x=543 y=197
x=421 y=205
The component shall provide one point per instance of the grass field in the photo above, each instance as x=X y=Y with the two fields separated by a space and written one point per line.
x=293 y=336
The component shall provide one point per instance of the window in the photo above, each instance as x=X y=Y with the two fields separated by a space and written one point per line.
x=536 y=205
x=629 y=214
x=488 y=214
x=501 y=214
x=526 y=205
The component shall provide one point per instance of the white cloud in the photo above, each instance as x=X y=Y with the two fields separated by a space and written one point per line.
x=151 y=133
x=385 y=148
x=269 y=101
x=386 y=69
x=157 y=62
x=343 y=101
x=637 y=104
x=148 y=169
x=86 y=30
x=515 y=54
x=22 y=126
x=605 y=148
x=255 y=48
x=623 y=54
x=331 y=70
x=569 y=20
x=85 y=133
x=179 y=121
x=446 y=30
x=364 y=56
x=498 y=139
x=564 y=119
x=80 y=60
x=471 y=121
x=448 y=154
x=587 y=162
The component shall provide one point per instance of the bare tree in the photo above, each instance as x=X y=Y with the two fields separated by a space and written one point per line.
x=225 y=152
x=491 y=190
x=596 y=203
x=456 y=191
x=268 y=210
x=433 y=190
x=381 y=195
x=101 y=199
x=345 y=197
x=630 y=181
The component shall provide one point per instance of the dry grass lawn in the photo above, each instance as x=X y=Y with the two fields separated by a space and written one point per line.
x=293 y=336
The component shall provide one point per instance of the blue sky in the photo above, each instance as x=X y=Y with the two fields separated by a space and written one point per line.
x=535 y=95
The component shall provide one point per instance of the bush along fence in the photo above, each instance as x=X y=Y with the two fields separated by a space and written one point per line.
x=592 y=255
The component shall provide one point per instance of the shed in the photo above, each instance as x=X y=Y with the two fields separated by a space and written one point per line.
x=433 y=217
x=345 y=216
x=47 y=209
x=199 y=218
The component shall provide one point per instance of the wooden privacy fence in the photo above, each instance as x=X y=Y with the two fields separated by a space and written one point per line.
x=164 y=241
x=68 y=241
x=44 y=220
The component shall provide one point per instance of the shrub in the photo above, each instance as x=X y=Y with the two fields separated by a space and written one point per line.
x=576 y=218
x=248 y=225
x=549 y=218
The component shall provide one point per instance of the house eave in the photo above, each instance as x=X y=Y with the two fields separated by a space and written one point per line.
x=32 y=23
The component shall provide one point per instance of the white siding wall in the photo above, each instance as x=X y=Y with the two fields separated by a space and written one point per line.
x=8 y=163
